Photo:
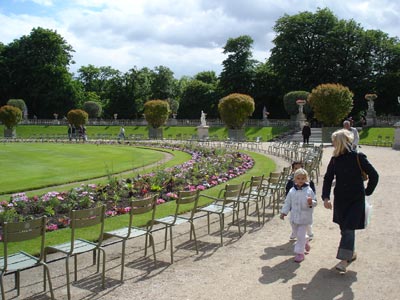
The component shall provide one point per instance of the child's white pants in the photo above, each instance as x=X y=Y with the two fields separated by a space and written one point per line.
x=309 y=230
x=301 y=235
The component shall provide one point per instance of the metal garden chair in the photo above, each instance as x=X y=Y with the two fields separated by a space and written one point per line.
x=18 y=232
x=226 y=202
x=82 y=219
x=138 y=207
x=189 y=200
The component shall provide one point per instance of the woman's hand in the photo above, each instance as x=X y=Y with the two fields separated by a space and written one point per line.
x=327 y=204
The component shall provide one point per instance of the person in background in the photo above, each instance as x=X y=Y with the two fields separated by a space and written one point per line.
x=300 y=202
x=348 y=125
x=306 y=133
x=349 y=193
x=289 y=184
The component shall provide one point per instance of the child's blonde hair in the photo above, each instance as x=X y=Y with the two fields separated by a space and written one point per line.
x=301 y=171
x=342 y=140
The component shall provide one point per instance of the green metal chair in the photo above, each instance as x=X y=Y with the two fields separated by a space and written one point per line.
x=189 y=199
x=138 y=207
x=92 y=217
x=251 y=193
x=18 y=232
x=226 y=202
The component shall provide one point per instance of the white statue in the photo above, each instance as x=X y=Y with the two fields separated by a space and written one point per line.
x=203 y=119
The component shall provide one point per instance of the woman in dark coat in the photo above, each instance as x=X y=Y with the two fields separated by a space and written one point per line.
x=349 y=192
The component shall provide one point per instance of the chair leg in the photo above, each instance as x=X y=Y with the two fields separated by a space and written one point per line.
x=208 y=222
x=103 y=273
x=75 y=267
x=171 y=244
x=165 y=237
x=194 y=236
x=123 y=259
x=3 y=294
x=154 y=249
x=47 y=271
x=67 y=275
x=145 y=244
x=17 y=282
x=221 y=224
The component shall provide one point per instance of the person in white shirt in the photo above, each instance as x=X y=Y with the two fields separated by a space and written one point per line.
x=347 y=125
x=300 y=202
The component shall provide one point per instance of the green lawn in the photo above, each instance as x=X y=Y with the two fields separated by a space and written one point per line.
x=369 y=136
x=27 y=166
x=28 y=131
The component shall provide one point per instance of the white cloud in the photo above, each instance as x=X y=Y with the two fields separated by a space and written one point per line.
x=185 y=35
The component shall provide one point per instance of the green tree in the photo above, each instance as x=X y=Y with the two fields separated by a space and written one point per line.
x=156 y=112
x=238 y=69
x=77 y=117
x=331 y=103
x=234 y=109
x=163 y=84
x=38 y=73
x=10 y=116
x=18 y=103
x=198 y=96
x=93 y=108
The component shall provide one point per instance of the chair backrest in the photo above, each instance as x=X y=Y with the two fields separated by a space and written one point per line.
x=253 y=186
x=186 y=198
x=87 y=218
x=231 y=193
x=23 y=231
x=143 y=206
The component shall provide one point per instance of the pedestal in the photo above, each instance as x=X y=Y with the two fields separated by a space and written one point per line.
x=396 y=142
x=155 y=133
x=301 y=119
x=202 y=132
x=371 y=118
x=10 y=133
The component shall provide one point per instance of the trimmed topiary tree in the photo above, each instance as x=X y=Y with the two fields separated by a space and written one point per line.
x=10 y=116
x=289 y=102
x=20 y=104
x=331 y=103
x=234 y=110
x=93 y=109
x=156 y=112
x=77 y=117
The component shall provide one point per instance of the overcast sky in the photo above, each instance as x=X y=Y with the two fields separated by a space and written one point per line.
x=185 y=35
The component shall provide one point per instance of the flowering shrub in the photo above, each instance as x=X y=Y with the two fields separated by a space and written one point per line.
x=205 y=169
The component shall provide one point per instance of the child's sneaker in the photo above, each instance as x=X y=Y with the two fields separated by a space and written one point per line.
x=308 y=247
x=310 y=236
x=292 y=236
x=299 y=258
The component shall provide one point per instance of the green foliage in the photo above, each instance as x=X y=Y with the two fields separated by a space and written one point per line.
x=92 y=108
x=238 y=69
x=18 y=103
x=234 y=109
x=331 y=103
x=77 y=117
x=156 y=112
x=10 y=116
x=289 y=101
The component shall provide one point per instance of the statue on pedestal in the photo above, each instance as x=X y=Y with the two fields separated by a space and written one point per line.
x=203 y=122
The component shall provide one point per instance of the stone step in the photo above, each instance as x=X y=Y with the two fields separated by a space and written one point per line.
x=316 y=136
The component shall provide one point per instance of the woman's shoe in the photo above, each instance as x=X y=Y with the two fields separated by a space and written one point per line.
x=353 y=258
x=308 y=247
x=342 y=266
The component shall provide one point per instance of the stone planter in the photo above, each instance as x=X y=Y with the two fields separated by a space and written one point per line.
x=236 y=135
x=155 y=133
x=10 y=133
x=327 y=134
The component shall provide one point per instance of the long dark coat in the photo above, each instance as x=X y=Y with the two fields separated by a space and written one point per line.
x=349 y=192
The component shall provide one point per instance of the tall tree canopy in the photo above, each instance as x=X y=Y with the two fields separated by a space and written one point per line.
x=238 y=69
x=36 y=67
x=314 y=48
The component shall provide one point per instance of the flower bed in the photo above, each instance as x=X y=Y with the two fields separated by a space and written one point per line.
x=206 y=168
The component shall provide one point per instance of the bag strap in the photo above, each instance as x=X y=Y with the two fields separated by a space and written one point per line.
x=359 y=165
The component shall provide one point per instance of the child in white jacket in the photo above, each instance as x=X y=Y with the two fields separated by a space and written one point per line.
x=300 y=201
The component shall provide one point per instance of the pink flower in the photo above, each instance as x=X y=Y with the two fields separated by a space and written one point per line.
x=201 y=187
x=51 y=227
x=160 y=201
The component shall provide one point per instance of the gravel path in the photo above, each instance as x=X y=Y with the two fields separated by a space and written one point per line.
x=257 y=265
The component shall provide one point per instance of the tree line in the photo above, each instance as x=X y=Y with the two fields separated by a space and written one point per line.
x=309 y=49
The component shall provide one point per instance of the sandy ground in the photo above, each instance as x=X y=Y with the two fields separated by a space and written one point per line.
x=257 y=265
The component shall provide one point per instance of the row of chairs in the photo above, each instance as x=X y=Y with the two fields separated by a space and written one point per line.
x=263 y=192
